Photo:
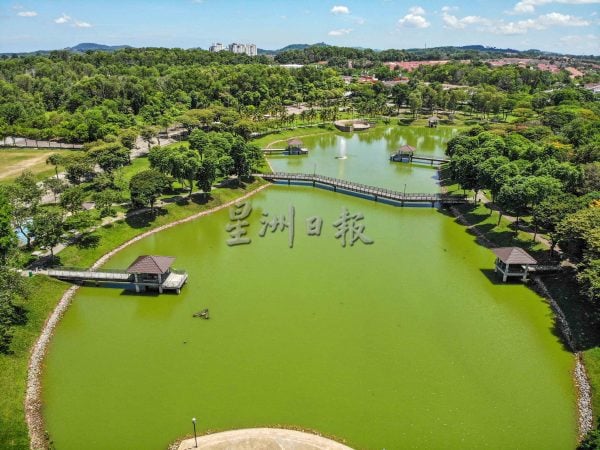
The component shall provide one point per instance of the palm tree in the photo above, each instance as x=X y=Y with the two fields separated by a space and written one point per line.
x=55 y=159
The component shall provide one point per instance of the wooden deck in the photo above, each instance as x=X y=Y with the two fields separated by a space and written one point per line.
x=174 y=281
x=422 y=159
x=285 y=151
x=375 y=192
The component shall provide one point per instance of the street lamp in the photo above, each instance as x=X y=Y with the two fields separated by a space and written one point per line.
x=195 y=438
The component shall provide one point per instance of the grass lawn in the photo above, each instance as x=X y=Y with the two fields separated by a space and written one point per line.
x=178 y=207
x=14 y=162
x=137 y=165
x=13 y=368
x=47 y=293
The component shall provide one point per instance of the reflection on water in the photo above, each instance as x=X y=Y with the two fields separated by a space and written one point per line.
x=364 y=157
x=399 y=344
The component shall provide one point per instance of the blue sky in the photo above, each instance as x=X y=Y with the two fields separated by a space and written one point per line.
x=570 y=26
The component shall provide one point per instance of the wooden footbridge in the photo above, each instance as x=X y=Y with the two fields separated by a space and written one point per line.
x=146 y=272
x=375 y=192
x=421 y=159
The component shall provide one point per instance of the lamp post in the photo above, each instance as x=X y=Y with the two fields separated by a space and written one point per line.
x=195 y=438
x=404 y=190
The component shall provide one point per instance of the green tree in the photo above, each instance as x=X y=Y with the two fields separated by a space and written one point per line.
x=146 y=186
x=55 y=185
x=415 y=103
x=47 y=228
x=72 y=199
x=104 y=201
x=207 y=173
x=24 y=197
x=56 y=160
x=8 y=238
x=110 y=156
x=514 y=197
x=550 y=212
x=198 y=141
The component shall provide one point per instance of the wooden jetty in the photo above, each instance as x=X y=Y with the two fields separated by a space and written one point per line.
x=375 y=192
x=146 y=272
x=406 y=153
x=294 y=147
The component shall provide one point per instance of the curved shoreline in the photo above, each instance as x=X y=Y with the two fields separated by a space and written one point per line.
x=585 y=415
x=33 y=400
x=38 y=438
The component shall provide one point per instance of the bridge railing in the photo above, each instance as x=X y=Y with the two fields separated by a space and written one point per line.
x=79 y=269
x=363 y=188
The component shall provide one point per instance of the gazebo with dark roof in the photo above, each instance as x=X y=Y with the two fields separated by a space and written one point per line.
x=513 y=262
x=294 y=147
x=150 y=270
x=405 y=152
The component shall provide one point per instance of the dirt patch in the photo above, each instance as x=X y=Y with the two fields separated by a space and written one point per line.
x=14 y=169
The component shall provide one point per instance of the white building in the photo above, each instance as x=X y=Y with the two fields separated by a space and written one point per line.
x=216 y=47
x=248 y=49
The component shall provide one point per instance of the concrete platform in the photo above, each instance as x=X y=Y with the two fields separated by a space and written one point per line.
x=262 y=439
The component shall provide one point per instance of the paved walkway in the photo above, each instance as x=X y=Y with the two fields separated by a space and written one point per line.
x=538 y=238
x=262 y=439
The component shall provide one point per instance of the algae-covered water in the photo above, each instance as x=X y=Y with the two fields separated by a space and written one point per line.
x=409 y=342
x=365 y=157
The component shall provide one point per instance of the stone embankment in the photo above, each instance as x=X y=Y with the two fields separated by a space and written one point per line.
x=33 y=396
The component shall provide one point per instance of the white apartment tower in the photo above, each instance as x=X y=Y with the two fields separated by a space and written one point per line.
x=248 y=49
x=216 y=47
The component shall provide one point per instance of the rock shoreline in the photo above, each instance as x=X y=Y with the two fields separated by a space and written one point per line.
x=585 y=416
x=38 y=437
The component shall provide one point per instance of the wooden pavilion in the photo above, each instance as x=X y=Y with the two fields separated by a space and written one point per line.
x=403 y=154
x=433 y=121
x=155 y=272
x=513 y=262
x=295 y=147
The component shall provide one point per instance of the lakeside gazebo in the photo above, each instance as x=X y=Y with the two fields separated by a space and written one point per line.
x=295 y=147
x=403 y=154
x=513 y=262
x=433 y=121
x=154 y=271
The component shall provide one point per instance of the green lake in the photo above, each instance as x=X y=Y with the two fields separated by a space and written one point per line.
x=410 y=342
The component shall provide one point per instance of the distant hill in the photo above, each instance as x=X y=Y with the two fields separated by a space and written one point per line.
x=288 y=48
x=87 y=46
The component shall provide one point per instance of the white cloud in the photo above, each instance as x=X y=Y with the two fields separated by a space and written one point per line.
x=417 y=11
x=540 y=23
x=74 y=22
x=414 y=21
x=528 y=6
x=447 y=9
x=62 y=19
x=359 y=20
x=27 y=13
x=340 y=9
x=340 y=32
x=451 y=21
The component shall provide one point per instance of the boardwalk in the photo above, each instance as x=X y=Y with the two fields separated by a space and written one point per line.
x=422 y=159
x=375 y=192
x=284 y=151
x=174 y=280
